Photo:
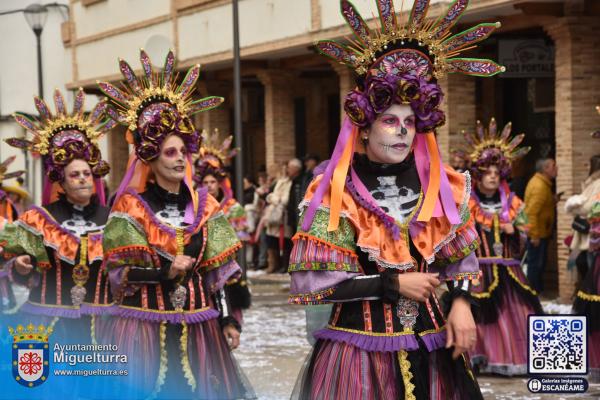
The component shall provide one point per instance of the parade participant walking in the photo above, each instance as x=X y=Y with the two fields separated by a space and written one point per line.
x=504 y=294
x=210 y=173
x=587 y=301
x=56 y=249
x=168 y=249
x=383 y=227
x=8 y=213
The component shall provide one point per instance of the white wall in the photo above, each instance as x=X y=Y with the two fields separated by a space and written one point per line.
x=111 y=14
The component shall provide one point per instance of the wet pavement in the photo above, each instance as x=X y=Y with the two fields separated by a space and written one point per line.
x=274 y=347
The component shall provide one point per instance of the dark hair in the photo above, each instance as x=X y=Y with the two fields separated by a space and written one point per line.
x=313 y=157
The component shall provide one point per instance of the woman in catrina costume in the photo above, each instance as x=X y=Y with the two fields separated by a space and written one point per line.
x=503 y=292
x=384 y=222
x=8 y=214
x=210 y=172
x=168 y=249
x=56 y=249
x=587 y=301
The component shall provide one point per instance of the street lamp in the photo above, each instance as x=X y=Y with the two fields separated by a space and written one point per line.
x=36 y=16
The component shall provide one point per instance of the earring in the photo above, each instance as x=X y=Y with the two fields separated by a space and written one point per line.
x=365 y=139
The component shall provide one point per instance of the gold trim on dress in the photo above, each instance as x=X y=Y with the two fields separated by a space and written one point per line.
x=588 y=297
x=409 y=387
x=359 y=332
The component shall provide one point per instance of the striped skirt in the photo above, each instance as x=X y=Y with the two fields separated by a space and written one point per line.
x=337 y=370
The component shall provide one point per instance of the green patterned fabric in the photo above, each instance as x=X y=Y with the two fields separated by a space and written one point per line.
x=20 y=239
x=124 y=244
x=236 y=211
x=221 y=237
x=120 y=232
x=344 y=236
x=521 y=221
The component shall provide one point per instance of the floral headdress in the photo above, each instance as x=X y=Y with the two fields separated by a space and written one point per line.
x=487 y=147
x=62 y=137
x=400 y=63
x=153 y=106
x=214 y=155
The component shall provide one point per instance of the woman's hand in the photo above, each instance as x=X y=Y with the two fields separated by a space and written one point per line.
x=180 y=265
x=23 y=264
x=417 y=285
x=509 y=229
x=232 y=336
x=460 y=327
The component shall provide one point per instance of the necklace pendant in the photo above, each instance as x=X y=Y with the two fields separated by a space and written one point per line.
x=178 y=297
x=407 y=311
x=498 y=249
x=78 y=295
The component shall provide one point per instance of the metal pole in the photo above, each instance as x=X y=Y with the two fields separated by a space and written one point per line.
x=237 y=117
x=237 y=98
x=38 y=38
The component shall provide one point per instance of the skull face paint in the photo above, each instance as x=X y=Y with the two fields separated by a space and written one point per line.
x=391 y=135
x=78 y=183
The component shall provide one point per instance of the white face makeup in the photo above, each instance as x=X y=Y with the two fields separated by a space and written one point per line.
x=391 y=135
x=169 y=167
x=78 y=182
x=490 y=179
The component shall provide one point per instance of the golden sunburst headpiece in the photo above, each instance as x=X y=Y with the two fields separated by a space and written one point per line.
x=423 y=47
x=214 y=155
x=62 y=137
x=153 y=105
x=489 y=147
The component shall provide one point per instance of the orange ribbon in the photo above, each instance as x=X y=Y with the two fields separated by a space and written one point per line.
x=338 y=181
x=433 y=190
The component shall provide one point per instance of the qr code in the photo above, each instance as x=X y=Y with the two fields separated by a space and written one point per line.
x=557 y=344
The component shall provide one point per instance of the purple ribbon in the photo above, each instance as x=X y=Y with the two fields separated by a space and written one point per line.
x=100 y=191
x=46 y=191
x=445 y=198
x=504 y=200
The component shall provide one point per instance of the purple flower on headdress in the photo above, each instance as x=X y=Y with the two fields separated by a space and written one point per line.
x=381 y=92
x=436 y=118
x=147 y=151
x=100 y=169
x=55 y=173
x=430 y=97
x=491 y=157
x=156 y=123
x=407 y=89
x=358 y=108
